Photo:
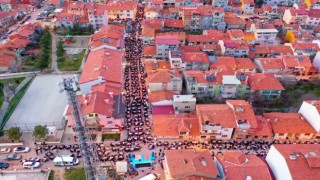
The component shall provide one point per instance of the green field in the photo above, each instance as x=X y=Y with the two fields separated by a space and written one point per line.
x=75 y=174
x=69 y=64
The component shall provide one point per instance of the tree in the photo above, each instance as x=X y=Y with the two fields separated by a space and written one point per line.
x=90 y=29
x=1 y=86
x=55 y=29
x=290 y=36
x=40 y=131
x=60 y=50
x=14 y=133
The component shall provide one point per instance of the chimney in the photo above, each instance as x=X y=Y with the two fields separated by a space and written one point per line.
x=107 y=101
x=111 y=94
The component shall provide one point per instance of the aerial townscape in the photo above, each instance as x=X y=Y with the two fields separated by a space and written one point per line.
x=160 y=89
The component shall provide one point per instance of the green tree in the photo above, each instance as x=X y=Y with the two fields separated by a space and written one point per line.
x=90 y=29
x=61 y=59
x=14 y=133
x=45 y=45
x=40 y=131
x=1 y=86
x=60 y=50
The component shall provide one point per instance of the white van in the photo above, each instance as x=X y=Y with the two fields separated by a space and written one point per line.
x=31 y=165
x=65 y=161
x=150 y=176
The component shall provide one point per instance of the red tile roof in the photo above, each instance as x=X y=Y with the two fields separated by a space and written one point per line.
x=288 y=123
x=171 y=124
x=271 y=63
x=302 y=167
x=160 y=96
x=260 y=81
x=122 y=5
x=173 y=23
x=238 y=166
x=162 y=110
x=185 y=163
x=193 y=57
x=314 y=13
x=264 y=127
x=149 y=50
x=105 y=63
x=180 y=35
x=170 y=40
x=229 y=62
x=97 y=102
x=6 y=58
x=305 y=45
x=162 y=76
x=244 y=63
x=294 y=61
x=242 y=110
x=216 y=114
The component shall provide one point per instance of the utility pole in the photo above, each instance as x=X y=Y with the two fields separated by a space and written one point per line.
x=92 y=165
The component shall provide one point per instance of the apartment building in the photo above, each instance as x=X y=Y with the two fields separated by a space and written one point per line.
x=164 y=44
x=184 y=103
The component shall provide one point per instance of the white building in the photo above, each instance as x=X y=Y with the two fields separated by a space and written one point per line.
x=294 y=161
x=311 y=112
x=164 y=44
x=264 y=35
x=184 y=103
x=98 y=18
x=314 y=17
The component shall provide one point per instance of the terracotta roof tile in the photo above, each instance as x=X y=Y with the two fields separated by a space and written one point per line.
x=185 y=163
x=149 y=50
x=300 y=167
x=193 y=57
x=170 y=124
x=173 y=23
x=104 y=63
x=251 y=165
x=260 y=81
x=271 y=63
x=171 y=40
x=294 y=61
x=264 y=127
x=180 y=35
x=160 y=96
x=151 y=64
x=244 y=63
x=288 y=123
x=216 y=114
x=162 y=76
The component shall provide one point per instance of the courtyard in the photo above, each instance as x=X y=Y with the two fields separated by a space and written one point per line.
x=42 y=104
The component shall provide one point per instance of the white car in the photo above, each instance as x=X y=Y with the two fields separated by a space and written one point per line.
x=21 y=149
x=31 y=164
x=5 y=150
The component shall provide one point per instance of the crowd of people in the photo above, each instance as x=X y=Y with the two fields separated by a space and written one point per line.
x=137 y=123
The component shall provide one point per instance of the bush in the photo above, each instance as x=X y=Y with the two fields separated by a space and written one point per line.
x=14 y=134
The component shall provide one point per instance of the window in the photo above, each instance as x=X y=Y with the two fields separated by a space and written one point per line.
x=187 y=107
x=226 y=130
x=224 y=136
x=109 y=122
x=307 y=134
x=90 y=115
x=184 y=101
x=281 y=134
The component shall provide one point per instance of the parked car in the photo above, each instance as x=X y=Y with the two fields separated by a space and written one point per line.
x=5 y=150
x=4 y=165
x=9 y=32
x=21 y=149
x=15 y=28
x=31 y=164
x=13 y=157
x=4 y=37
